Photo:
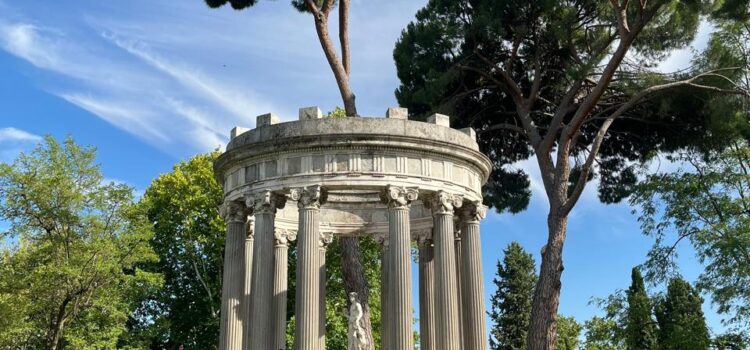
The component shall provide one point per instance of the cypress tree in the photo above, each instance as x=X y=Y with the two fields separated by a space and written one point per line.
x=681 y=322
x=640 y=329
x=511 y=303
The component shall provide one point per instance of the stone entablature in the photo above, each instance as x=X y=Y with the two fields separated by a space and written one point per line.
x=346 y=152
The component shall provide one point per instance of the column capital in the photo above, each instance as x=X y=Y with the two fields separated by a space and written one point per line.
x=233 y=211
x=309 y=197
x=282 y=237
x=325 y=239
x=473 y=211
x=443 y=203
x=398 y=197
x=265 y=202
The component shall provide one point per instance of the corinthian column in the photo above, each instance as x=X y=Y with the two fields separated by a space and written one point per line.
x=247 y=300
x=446 y=298
x=472 y=290
x=426 y=292
x=384 y=287
x=281 y=258
x=262 y=321
x=398 y=200
x=307 y=308
x=325 y=240
x=230 y=328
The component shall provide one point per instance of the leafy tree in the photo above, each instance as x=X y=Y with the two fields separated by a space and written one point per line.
x=69 y=275
x=681 y=322
x=321 y=10
x=568 y=330
x=572 y=83
x=511 y=303
x=602 y=334
x=189 y=240
x=706 y=203
x=640 y=327
x=730 y=341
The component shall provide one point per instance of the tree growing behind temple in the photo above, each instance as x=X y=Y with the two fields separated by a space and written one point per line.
x=568 y=331
x=189 y=241
x=511 y=304
x=321 y=10
x=640 y=328
x=69 y=265
x=681 y=322
x=572 y=83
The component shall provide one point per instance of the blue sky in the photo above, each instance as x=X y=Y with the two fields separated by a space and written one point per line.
x=149 y=83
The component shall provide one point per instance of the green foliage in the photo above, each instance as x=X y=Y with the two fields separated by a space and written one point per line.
x=189 y=240
x=706 y=203
x=69 y=265
x=730 y=341
x=337 y=112
x=511 y=303
x=568 y=330
x=681 y=322
x=602 y=334
x=337 y=303
x=640 y=328
x=457 y=56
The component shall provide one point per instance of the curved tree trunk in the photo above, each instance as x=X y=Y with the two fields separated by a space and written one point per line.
x=543 y=324
x=354 y=281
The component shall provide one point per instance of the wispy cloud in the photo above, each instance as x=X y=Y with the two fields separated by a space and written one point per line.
x=14 y=141
x=17 y=135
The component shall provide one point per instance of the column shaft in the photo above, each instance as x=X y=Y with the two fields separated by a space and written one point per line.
x=324 y=241
x=446 y=297
x=247 y=300
x=231 y=326
x=261 y=320
x=459 y=296
x=399 y=245
x=426 y=296
x=307 y=308
x=475 y=336
x=281 y=268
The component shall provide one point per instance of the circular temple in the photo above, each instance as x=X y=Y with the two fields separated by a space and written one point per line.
x=354 y=159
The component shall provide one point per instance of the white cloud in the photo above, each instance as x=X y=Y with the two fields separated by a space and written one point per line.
x=13 y=134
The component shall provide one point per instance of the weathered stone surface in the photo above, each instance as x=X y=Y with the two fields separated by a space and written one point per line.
x=266 y=119
x=397 y=113
x=440 y=119
x=310 y=113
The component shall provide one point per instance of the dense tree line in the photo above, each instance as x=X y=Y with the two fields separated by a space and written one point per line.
x=635 y=320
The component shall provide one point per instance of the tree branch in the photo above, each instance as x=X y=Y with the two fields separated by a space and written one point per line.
x=581 y=183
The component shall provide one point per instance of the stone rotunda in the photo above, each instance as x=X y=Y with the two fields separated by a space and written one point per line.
x=317 y=178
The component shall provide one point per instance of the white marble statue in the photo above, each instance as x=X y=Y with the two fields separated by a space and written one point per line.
x=357 y=339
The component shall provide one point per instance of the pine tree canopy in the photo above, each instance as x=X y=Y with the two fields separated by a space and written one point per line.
x=680 y=317
x=487 y=62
